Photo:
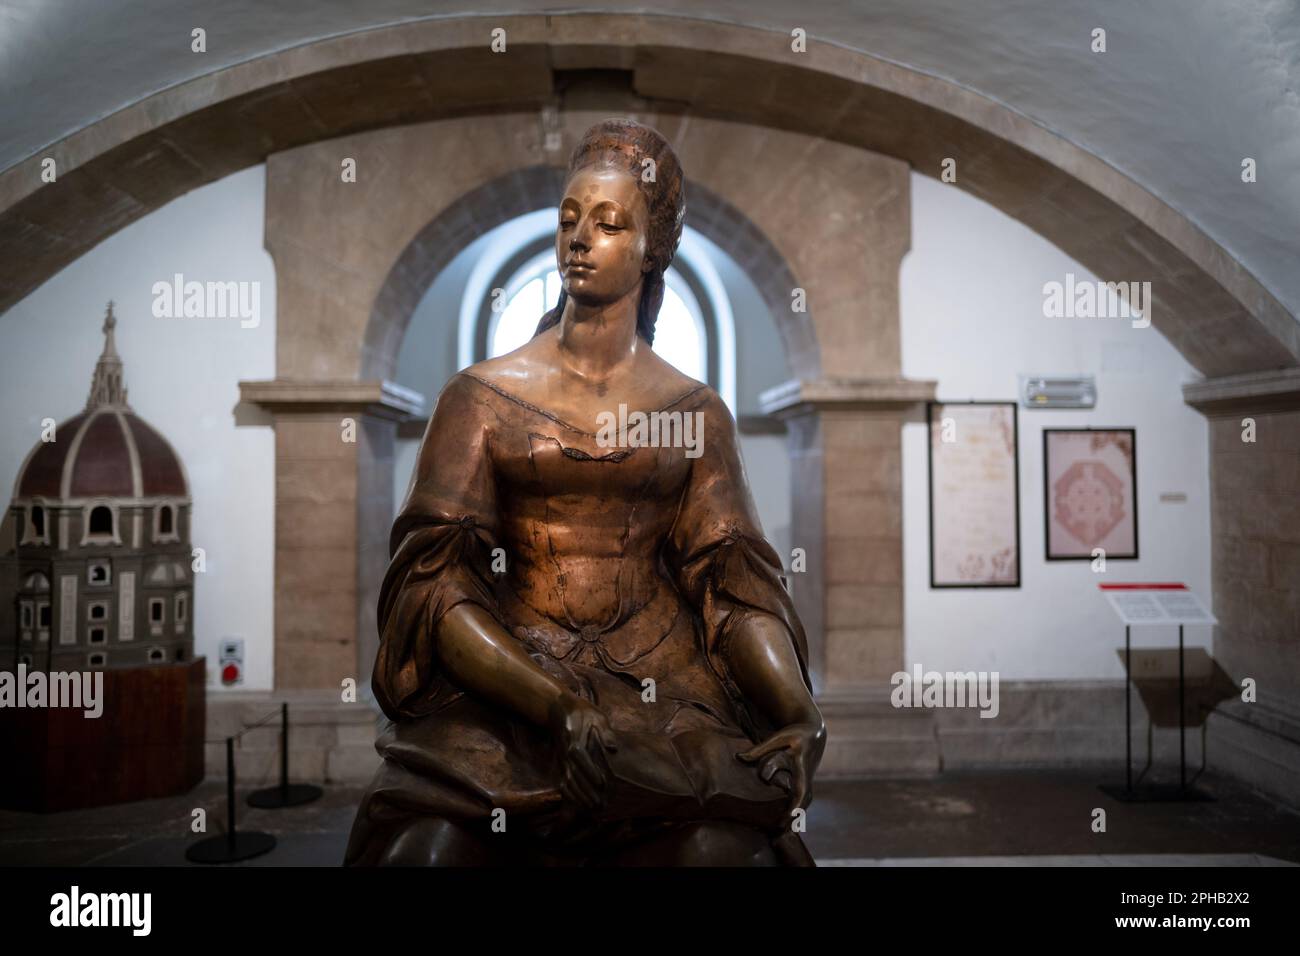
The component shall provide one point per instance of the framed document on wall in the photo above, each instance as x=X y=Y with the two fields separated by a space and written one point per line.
x=974 y=495
x=1090 y=492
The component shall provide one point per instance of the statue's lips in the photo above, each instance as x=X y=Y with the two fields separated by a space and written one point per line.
x=581 y=268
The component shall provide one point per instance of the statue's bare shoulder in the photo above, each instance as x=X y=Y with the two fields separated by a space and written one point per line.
x=668 y=381
x=533 y=372
x=513 y=371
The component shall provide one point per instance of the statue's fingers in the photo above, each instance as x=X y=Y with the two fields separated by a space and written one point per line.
x=595 y=760
x=774 y=764
x=771 y=745
x=597 y=749
x=800 y=794
x=585 y=764
x=584 y=792
x=566 y=787
x=605 y=734
x=586 y=776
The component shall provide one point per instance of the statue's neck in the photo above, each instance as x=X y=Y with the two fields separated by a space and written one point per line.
x=596 y=339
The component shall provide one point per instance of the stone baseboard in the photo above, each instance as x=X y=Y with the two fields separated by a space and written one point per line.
x=1045 y=724
x=1259 y=745
x=329 y=741
x=1040 y=725
x=866 y=736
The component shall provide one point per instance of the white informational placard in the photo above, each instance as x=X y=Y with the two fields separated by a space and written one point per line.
x=1156 y=604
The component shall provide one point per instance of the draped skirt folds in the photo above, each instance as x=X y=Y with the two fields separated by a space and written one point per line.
x=659 y=676
x=474 y=765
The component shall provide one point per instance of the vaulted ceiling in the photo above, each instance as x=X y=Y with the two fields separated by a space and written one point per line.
x=1162 y=120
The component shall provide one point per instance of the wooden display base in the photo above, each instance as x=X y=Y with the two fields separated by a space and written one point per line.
x=147 y=743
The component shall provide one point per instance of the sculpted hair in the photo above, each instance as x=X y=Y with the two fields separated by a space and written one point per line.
x=626 y=145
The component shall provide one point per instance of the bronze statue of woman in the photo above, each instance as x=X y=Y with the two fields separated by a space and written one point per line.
x=588 y=654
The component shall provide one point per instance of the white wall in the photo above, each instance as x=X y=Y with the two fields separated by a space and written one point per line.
x=972 y=318
x=181 y=376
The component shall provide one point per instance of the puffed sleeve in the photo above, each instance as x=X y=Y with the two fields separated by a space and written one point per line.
x=440 y=550
x=722 y=563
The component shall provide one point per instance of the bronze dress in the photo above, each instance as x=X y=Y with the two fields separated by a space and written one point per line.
x=675 y=549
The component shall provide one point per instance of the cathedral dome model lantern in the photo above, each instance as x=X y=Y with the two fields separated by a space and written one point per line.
x=96 y=582
x=100 y=539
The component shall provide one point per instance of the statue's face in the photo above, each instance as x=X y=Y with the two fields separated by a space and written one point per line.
x=601 y=241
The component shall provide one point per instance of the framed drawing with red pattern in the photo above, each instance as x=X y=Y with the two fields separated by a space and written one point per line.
x=974 y=495
x=1090 y=493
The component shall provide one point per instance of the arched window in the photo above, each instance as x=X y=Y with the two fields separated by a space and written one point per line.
x=34 y=608
x=36 y=582
x=101 y=520
x=164 y=522
x=36 y=527
x=680 y=336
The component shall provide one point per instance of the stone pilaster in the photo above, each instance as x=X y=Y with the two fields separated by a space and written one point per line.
x=847 y=516
x=334 y=445
x=1254 y=427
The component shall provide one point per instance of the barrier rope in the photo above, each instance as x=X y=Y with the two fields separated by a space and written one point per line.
x=273 y=715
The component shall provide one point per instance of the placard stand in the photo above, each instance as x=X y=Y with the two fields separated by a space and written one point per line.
x=1127 y=601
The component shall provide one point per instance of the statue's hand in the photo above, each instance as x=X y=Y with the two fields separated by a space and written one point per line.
x=789 y=758
x=582 y=738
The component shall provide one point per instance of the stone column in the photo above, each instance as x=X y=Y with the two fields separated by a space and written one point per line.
x=846 y=484
x=1254 y=428
x=333 y=511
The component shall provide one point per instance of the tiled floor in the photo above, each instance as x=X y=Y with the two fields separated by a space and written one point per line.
x=1012 y=819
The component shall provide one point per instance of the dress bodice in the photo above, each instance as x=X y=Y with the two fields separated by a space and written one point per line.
x=581 y=523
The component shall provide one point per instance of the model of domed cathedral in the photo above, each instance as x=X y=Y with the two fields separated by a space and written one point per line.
x=98 y=551
x=95 y=583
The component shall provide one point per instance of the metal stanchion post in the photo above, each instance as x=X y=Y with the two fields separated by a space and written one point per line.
x=234 y=846
x=286 y=794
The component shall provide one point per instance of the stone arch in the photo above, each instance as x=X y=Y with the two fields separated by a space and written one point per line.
x=529 y=188
x=478 y=211
x=1208 y=303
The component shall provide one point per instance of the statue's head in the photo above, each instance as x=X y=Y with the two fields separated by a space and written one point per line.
x=620 y=220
